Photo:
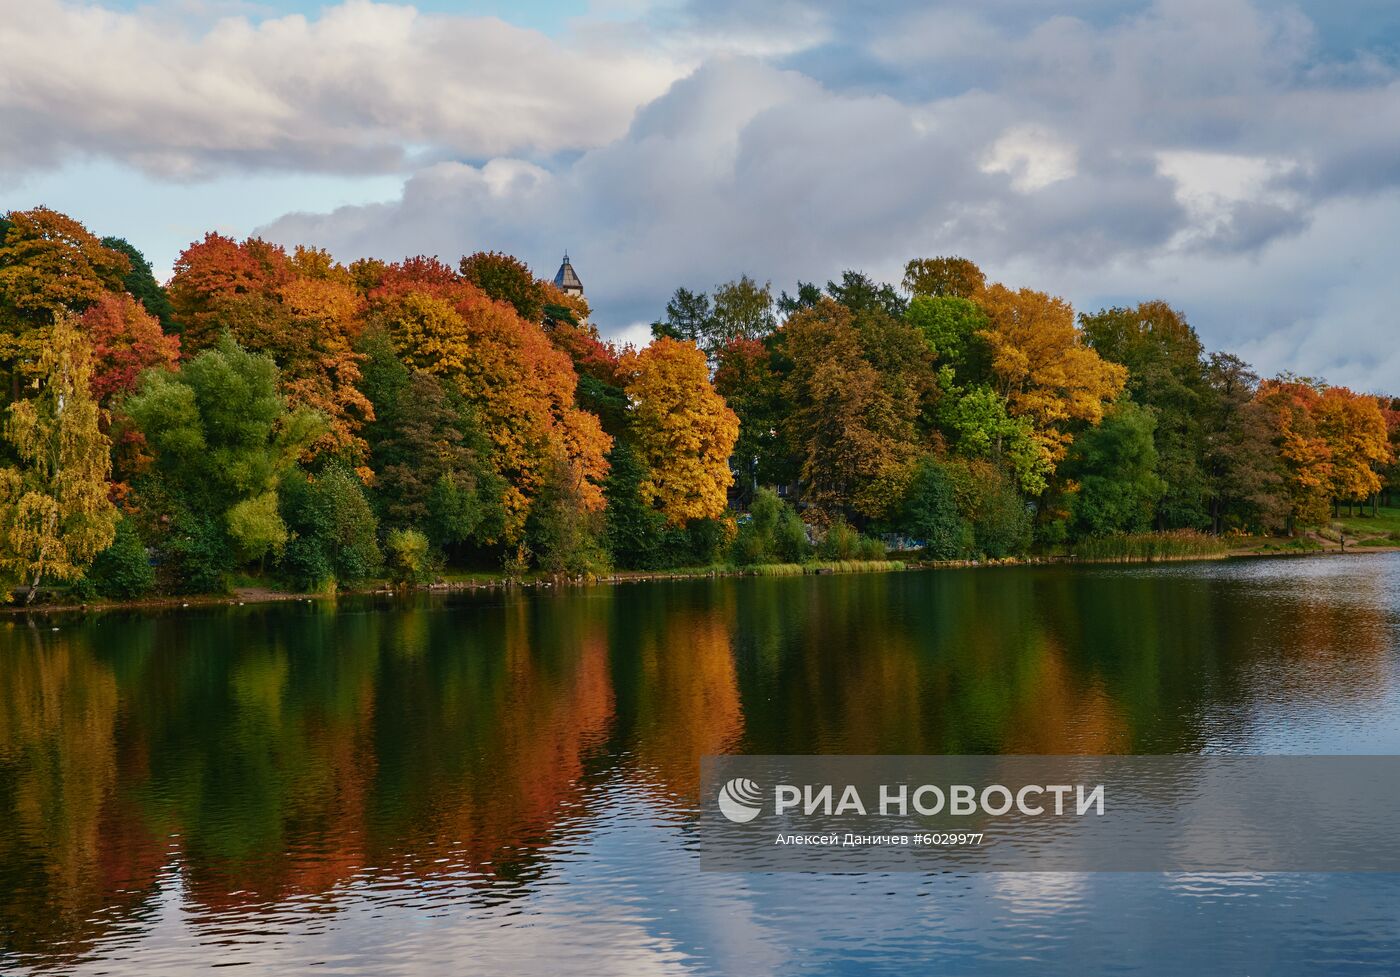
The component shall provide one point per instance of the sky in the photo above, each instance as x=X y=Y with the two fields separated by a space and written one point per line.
x=1238 y=158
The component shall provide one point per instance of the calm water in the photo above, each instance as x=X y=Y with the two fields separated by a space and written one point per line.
x=488 y=784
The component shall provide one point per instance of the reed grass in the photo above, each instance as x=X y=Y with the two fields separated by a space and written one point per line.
x=1148 y=547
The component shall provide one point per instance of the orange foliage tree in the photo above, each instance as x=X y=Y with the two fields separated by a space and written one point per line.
x=1043 y=368
x=521 y=385
x=125 y=340
x=1306 y=454
x=684 y=431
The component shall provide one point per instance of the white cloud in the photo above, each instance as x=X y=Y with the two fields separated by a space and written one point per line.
x=353 y=90
x=1033 y=157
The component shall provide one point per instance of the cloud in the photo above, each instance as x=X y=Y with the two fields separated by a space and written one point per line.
x=364 y=87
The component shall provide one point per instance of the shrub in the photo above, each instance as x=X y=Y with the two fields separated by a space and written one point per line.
x=842 y=542
x=707 y=539
x=1002 y=526
x=334 y=531
x=255 y=527
x=195 y=555
x=790 y=538
x=560 y=530
x=409 y=556
x=931 y=512
x=871 y=550
x=122 y=571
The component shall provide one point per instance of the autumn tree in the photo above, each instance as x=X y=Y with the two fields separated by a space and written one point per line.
x=855 y=432
x=1243 y=468
x=126 y=340
x=521 y=387
x=302 y=310
x=1354 y=428
x=1041 y=366
x=1307 y=458
x=220 y=285
x=683 y=430
x=54 y=513
x=949 y=277
x=50 y=263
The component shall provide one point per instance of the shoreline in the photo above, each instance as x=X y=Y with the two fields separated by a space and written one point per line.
x=241 y=596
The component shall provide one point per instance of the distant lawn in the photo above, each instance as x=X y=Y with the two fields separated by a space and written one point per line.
x=1385 y=522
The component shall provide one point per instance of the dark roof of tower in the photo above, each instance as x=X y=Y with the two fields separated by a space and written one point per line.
x=566 y=277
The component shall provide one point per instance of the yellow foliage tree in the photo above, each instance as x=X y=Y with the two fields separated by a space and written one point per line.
x=684 y=430
x=1354 y=429
x=1043 y=368
x=54 y=512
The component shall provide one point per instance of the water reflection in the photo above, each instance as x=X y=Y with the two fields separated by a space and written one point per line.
x=376 y=785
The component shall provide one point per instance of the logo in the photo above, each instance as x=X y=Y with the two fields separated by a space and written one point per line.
x=740 y=800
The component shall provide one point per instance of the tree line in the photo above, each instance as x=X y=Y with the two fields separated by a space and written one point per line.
x=277 y=413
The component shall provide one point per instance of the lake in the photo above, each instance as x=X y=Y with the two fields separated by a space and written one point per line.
x=506 y=783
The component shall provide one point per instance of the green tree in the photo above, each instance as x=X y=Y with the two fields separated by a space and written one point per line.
x=931 y=513
x=561 y=531
x=431 y=459
x=634 y=530
x=408 y=554
x=54 y=512
x=951 y=327
x=1165 y=373
x=861 y=293
x=224 y=442
x=689 y=317
x=506 y=278
x=743 y=309
x=1115 y=465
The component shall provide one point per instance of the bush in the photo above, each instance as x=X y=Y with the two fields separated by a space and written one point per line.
x=409 y=556
x=122 y=571
x=932 y=514
x=560 y=530
x=871 y=550
x=195 y=556
x=842 y=542
x=333 y=530
x=790 y=538
x=1002 y=526
x=707 y=539
x=255 y=527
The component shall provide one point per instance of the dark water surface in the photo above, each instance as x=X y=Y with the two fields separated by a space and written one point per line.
x=506 y=784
